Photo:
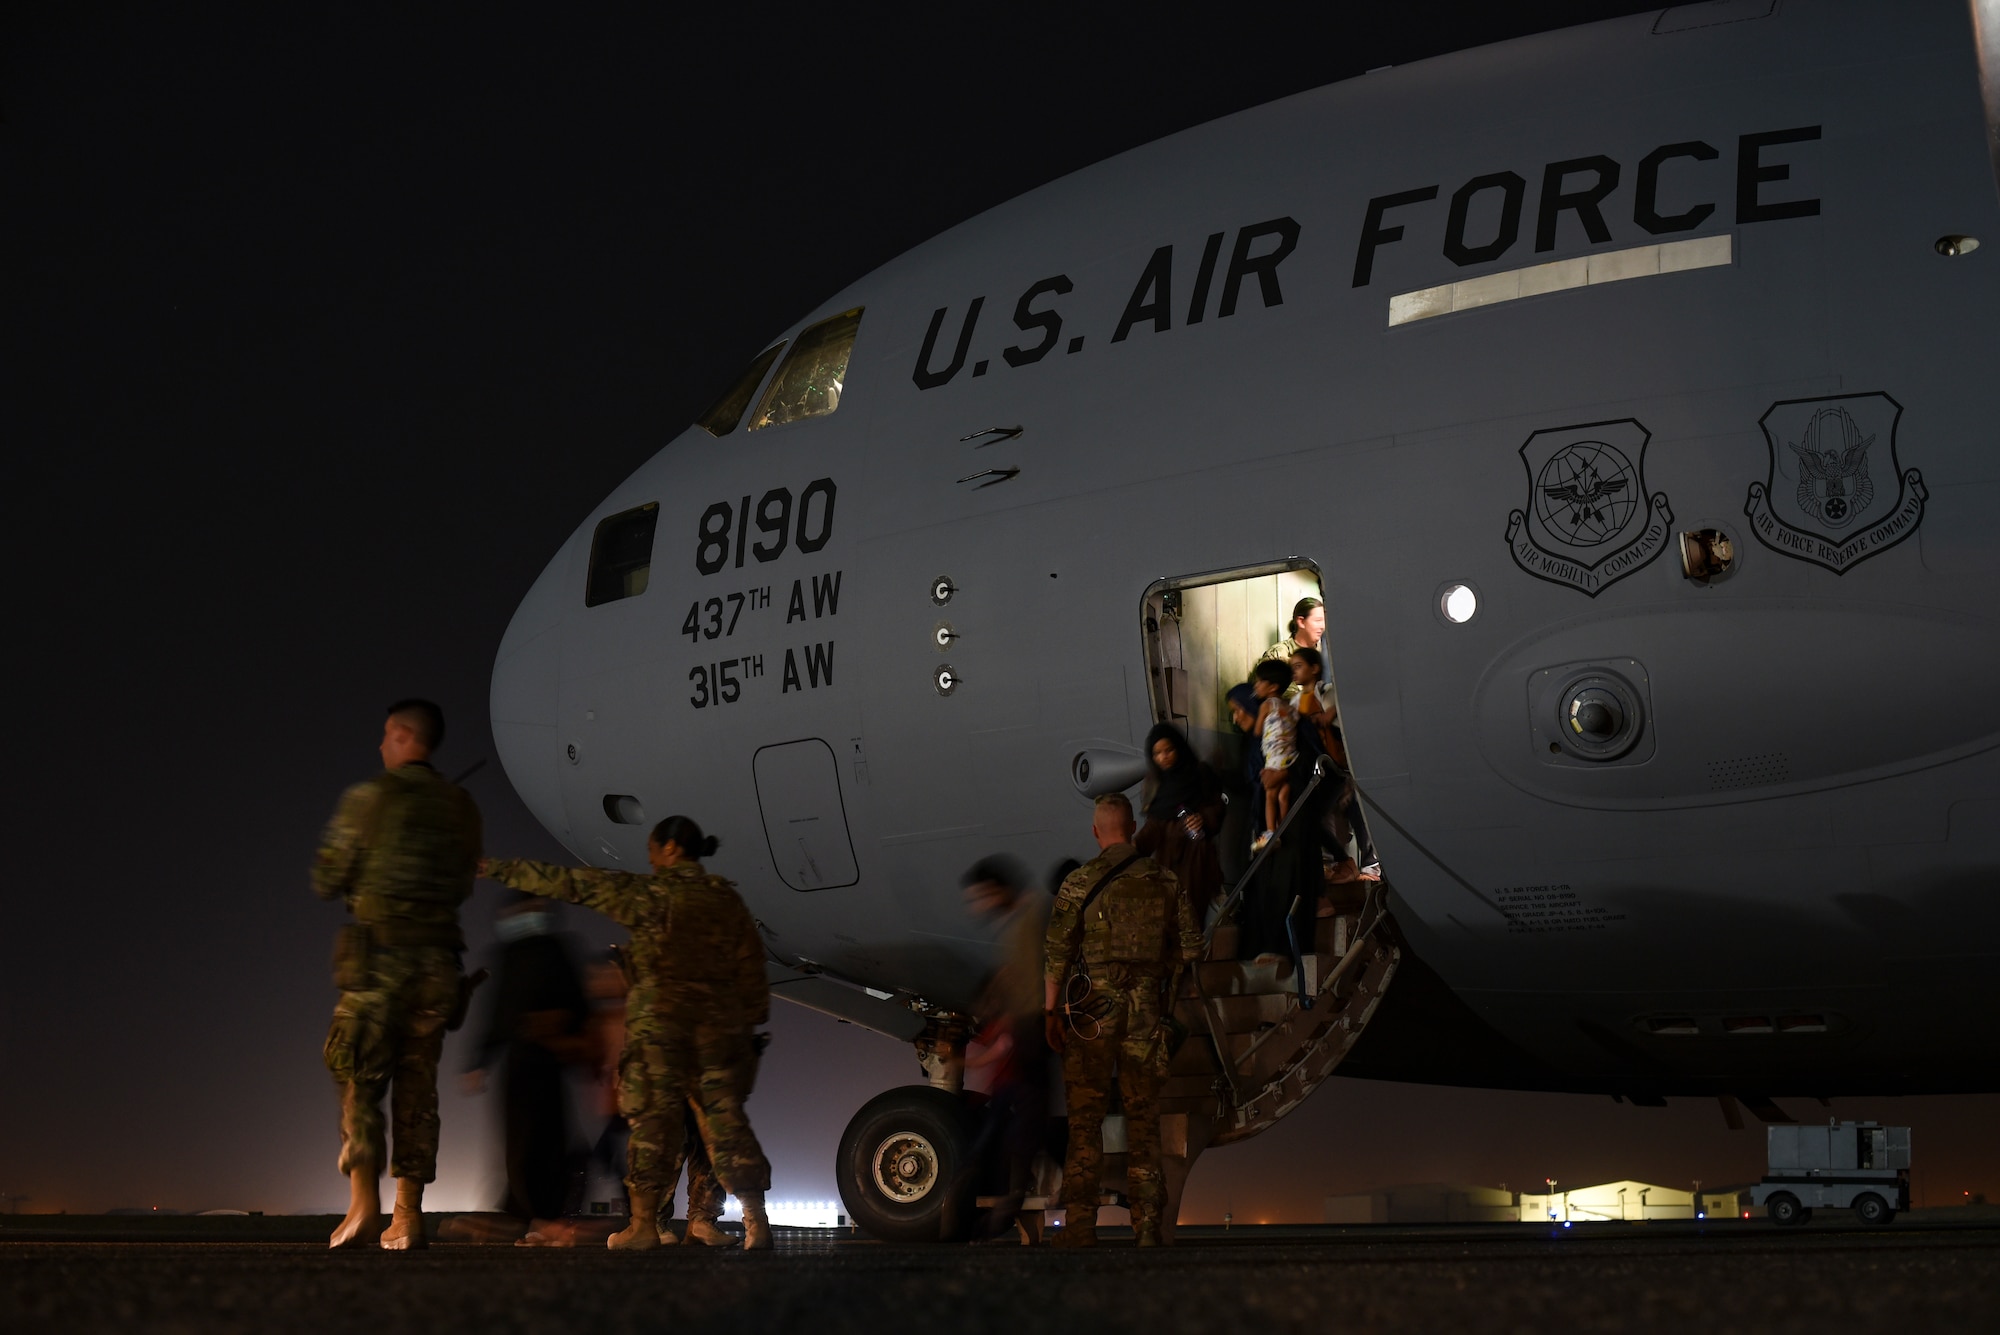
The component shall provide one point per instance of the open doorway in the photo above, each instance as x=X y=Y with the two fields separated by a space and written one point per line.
x=1205 y=633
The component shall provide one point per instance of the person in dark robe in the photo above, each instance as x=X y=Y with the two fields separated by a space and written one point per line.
x=1287 y=884
x=533 y=1029
x=1183 y=817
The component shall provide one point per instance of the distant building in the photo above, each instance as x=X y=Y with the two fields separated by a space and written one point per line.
x=1452 y=1203
x=1424 y=1203
x=1629 y=1201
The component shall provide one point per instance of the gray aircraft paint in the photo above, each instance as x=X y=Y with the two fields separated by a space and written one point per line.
x=1812 y=825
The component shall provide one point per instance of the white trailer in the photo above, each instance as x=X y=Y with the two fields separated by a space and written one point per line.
x=1859 y=1165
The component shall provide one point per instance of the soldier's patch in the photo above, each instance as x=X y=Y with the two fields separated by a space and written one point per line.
x=1589 y=521
x=1827 y=497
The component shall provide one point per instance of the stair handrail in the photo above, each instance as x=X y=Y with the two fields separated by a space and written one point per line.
x=1323 y=768
x=1374 y=908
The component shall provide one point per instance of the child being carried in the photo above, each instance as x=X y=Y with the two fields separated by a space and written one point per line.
x=1277 y=724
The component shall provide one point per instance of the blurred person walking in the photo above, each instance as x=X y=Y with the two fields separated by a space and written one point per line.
x=1012 y=1046
x=535 y=1026
x=698 y=989
x=606 y=983
x=400 y=852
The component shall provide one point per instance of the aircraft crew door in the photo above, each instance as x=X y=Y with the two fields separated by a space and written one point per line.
x=1294 y=966
x=1204 y=634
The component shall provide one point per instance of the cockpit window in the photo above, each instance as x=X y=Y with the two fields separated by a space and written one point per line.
x=728 y=410
x=810 y=381
x=621 y=555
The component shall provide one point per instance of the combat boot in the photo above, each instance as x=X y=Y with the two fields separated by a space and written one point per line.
x=644 y=1232
x=1146 y=1212
x=1079 y=1229
x=756 y=1226
x=406 y=1226
x=703 y=1230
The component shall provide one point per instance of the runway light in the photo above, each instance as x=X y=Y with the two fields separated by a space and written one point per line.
x=1565 y=1223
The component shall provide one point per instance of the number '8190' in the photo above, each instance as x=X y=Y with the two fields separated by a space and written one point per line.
x=783 y=524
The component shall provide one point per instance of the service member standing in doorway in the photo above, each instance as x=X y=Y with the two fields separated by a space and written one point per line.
x=400 y=850
x=698 y=989
x=1118 y=938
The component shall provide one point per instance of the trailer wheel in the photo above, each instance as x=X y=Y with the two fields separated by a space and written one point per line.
x=904 y=1167
x=1784 y=1210
x=1872 y=1210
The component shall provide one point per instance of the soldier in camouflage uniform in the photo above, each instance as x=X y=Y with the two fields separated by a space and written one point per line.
x=400 y=850
x=1127 y=941
x=698 y=988
x=705 y=1194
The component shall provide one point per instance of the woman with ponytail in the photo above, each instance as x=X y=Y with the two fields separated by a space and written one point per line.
x=698 y=989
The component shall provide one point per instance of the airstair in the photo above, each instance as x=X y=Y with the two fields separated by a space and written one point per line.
x=1274 y=1031
x=1262 y=1035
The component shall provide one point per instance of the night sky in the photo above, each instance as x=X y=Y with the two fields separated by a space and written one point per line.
x=323 y=330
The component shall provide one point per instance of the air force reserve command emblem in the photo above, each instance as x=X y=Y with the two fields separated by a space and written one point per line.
x=1835 y=496
x=1588 y=522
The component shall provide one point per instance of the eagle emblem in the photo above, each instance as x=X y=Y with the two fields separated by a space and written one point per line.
x=1835 y=494
x=1833 y=468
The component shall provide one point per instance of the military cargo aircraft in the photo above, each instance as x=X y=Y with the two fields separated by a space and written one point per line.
x=1625 y=393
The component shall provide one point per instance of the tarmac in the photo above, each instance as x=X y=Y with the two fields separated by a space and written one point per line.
x=1936 y=1271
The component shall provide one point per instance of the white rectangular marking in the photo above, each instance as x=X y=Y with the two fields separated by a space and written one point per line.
x=1555 y=277
x=1613 y=266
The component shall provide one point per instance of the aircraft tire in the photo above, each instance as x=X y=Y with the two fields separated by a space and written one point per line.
x=1872 y=1210
x=905 y=1166
x=1785 y=1211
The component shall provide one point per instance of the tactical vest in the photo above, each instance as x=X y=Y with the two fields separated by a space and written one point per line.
x=1132 y=920
x=702 y=924
x=418 y=860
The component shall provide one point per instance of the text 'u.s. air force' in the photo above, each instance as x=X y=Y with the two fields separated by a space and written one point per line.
x=1256 y=253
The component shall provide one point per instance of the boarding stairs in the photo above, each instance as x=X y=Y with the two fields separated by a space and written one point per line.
x=1264 y=1049
x=1261 y=1035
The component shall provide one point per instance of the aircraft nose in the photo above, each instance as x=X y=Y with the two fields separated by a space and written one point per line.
x=524 y=697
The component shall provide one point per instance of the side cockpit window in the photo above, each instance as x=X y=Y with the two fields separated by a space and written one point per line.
x=621 y=555
x=810 y=382
x=728 y=410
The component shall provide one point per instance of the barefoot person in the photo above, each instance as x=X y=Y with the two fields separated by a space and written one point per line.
x=400 y=851
x=698 y=989
x=1277 y=732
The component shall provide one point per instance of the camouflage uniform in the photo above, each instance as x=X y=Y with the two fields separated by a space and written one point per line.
x=698 y=986
x=401 y=850
x=1282 y=652
x=1138 y=929
x=705 y=1194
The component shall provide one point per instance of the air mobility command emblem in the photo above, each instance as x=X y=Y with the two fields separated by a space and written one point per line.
x=1836 y=494
x=1589 y=521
